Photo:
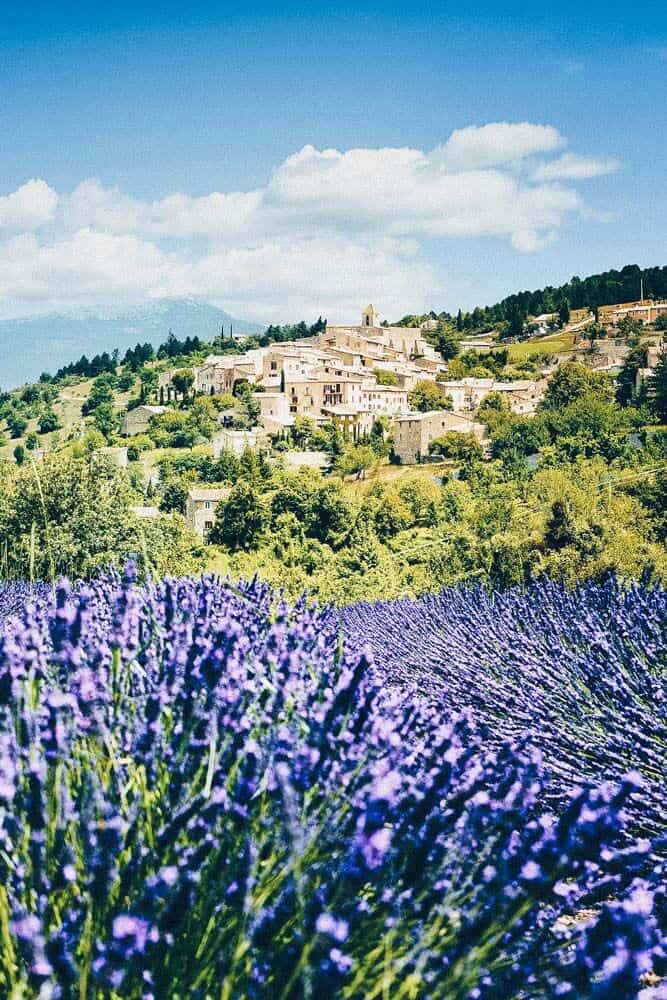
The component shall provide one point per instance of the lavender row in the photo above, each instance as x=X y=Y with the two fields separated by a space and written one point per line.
x=205 y=793
x=583 y=673
x=15 y=594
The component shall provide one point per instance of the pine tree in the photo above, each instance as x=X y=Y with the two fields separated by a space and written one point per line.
x=656 y=389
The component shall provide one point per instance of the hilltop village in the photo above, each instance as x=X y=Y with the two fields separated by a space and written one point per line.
x=348 y=376
x=355 y=459
x=355 y=378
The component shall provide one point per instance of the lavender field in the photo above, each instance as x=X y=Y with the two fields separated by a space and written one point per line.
x=208 y=793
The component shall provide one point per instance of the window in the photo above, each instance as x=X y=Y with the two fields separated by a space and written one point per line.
x=208 y=525
x=207 y=505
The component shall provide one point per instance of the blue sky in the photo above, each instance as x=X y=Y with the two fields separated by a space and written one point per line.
x=151 y=100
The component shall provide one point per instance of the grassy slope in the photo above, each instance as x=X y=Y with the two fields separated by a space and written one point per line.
x=68 y=408
x=553 y=343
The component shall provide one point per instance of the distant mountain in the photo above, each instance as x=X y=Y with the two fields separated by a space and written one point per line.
x=39 y=344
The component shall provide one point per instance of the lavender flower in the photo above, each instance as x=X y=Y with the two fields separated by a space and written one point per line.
x=204 y=789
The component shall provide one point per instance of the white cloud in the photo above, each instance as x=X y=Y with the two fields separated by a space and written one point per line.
x=177 y=216
x=29 y=207
x=571 y=167
x=498 y=144
x=328 y=230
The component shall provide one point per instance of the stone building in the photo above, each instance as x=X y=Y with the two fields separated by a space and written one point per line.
x=522 y=395
x=200 y=507
x=644 y=311
x=237 y=441
x=413 y=432
x=467 y=393
x=136 y=421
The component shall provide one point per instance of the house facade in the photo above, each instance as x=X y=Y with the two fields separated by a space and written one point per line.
x=136 y=421
x=200 y=507
x=644 y=311
x=238 y=441
x=414 y=432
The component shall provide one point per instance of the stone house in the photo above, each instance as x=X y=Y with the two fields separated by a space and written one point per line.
x=413 y=432
x=238 y=441
x=653 y=354
x=523 y=395
x=308 y=396
x=467 y=393
x=644 y=311
x=200 y=507
x=383 y=399
x=220 y=373
x=136 y=421
x=275 y=415
x=273 y=404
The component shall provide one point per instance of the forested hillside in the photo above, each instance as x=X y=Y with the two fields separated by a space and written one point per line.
x=608 y=288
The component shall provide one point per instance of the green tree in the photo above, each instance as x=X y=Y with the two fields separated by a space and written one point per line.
x=249 y=404
x=32 y=441
x=204 y=416
x=148 y=379
x=629 y=328
x=240 y=519
x=105 y=420
x=175 y=493
x=448 y=340
x=457 y=445
x=656 y=389
x=19 y=454
x=183 y=381
x=627 y=377
x=48 y=421
x=319 y=506
x=564 y=313
x=389 y=511
x=302 y=431
x=100 y=393
x=17 y=424
x=570 y=382
x=560 y=530
x=356 y=461
x=492 y=407
x=518 y=435
x=427 y=396
x=69 y=516
x=383 y=377
x=516 y=321
x=173 y=429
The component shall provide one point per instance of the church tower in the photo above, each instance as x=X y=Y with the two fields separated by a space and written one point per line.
x=370 y=317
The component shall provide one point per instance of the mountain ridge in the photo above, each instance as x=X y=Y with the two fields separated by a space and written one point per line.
x=31 y=345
